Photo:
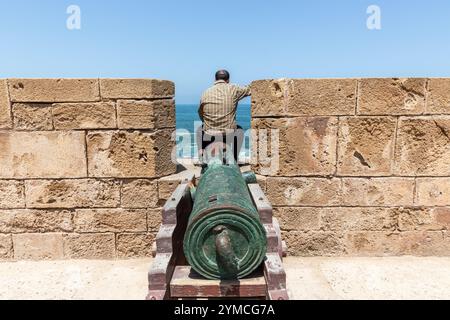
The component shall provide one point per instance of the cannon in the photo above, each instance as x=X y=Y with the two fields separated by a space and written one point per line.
x=224 y=238
x=218 y=239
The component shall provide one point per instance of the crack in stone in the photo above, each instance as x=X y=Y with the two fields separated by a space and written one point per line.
x=409 y=90
x=360 y=157
x=443 y=131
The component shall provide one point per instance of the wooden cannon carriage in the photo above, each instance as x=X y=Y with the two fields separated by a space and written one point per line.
x=171 y=277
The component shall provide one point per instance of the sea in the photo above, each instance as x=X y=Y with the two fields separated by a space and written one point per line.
x=188 y=122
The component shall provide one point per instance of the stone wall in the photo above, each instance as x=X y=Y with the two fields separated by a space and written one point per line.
x=364 y=164
x=80 y=162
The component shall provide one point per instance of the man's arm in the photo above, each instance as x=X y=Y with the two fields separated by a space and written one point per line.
x=200 y=111
x=242 y=92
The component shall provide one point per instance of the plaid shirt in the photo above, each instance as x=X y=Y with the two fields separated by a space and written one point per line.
x=218 y=106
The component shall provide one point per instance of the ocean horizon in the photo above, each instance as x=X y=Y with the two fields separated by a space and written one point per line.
x=188 y=122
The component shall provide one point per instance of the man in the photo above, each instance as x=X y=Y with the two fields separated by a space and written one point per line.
x=217 y=111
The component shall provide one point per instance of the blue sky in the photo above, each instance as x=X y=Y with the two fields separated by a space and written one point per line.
x=186 y=41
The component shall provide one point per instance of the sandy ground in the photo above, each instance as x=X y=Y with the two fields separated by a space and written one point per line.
x=308 y=278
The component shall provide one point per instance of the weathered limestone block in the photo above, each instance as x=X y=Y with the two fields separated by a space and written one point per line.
x=423 y=146
x=373 y=243
x=358 y=219
x=433 y=191
x=154 y=219
x=110 y=220
x=391 y=96
x=38 y=246
x=168 y=184
x=42 y=155
x=136 y=88
x=355 y=219
x=6 y=247
x=378 y=191
x=54 y=90
x=425 y=243
x=89 y=246
x=141 y=193
x=314 y=243
x=307 y=146
x=166 y=187
x=269 y=97
x=438 y=96
x=143 y=114
x=31 y=221
x=423 y=219
x=99 y=115
x=12 y=194
x=262 y=181
x=130 y=154
x=304 y=191
x=298 y=218
x=417 y=243
x=366 y=146
x=5 y=108
x=164 y=148
x=72 y=193
x=298 y=97
x=441 y=218
x=134 y=245
x=32 y=116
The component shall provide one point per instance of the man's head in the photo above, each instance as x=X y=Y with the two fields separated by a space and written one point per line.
x=223 y=75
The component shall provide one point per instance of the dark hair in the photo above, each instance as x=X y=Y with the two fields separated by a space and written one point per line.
x=222 y=75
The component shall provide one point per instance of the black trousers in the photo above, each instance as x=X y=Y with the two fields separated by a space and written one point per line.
x=233 y=139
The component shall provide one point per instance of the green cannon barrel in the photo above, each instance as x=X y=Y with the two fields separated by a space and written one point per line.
x=224 y=238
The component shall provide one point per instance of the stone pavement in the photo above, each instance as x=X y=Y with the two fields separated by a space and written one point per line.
x=308 y=278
